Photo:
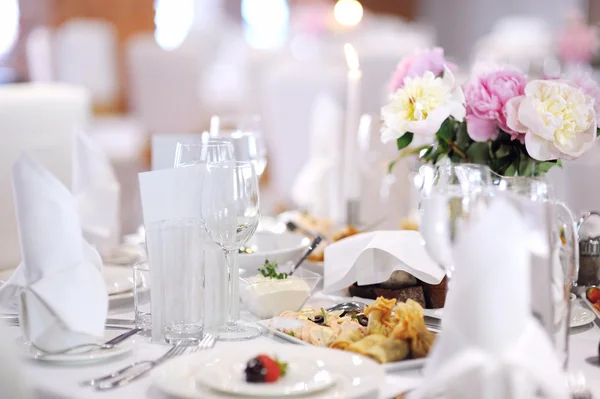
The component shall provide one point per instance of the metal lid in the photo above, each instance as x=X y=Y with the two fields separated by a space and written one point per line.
x=589 y=246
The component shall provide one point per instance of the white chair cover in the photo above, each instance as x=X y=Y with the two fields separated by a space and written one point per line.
x=86 y=55
x=41 y=119
x=164 y=86
x=38 y=50
x=288 y=92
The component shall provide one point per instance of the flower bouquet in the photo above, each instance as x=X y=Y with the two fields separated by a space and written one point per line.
x=498 y=118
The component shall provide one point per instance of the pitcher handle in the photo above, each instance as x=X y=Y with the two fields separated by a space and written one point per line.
x=571 y=238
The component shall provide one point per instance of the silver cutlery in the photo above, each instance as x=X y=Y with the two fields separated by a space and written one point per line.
x=113 y=380
x=313 y=245
x=80 y=349
x=12 y=319
x=348 y=307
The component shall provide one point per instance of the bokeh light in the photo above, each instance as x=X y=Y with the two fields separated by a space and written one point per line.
x=9 y=25
x=266 y=22
x=174 y=20
x=348 y=12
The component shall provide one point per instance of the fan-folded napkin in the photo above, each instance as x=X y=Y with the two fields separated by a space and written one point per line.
x=370 y=258
x=314 y=188
x=59 y=286
x=97 y=192
x=491 y=347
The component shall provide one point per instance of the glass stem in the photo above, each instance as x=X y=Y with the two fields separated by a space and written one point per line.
x=230 y=294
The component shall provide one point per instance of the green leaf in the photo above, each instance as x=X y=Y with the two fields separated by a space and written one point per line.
x=511 y=170
x=543 y=167
x=404 y=141
x=526 y=166
x=559 y=163
x=445 y=132
x=462 y=137
x=503 y=151
x=598 y=132
x=478 y=153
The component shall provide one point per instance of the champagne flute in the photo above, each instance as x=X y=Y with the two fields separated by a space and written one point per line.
x=230 y=210
x=204 y=151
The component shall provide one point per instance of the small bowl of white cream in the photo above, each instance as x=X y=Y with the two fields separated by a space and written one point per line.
x=269 y=296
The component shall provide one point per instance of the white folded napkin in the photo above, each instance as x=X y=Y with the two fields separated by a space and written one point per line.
x=491 y=347
x=61 y=292
x=370 y=258
x=312 y=189
x=98 y=195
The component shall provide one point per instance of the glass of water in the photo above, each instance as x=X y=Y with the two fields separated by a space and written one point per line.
x=176 y=257
x=141 y=295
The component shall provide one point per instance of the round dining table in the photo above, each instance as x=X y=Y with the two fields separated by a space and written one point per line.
x=53 y=381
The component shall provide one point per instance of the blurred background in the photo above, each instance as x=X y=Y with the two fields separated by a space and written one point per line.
x=165 y=66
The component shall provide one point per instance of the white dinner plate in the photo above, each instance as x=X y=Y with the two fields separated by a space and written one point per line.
x=225 y=373
x=96 y=356
x=118 y=280
x=275 y=247
x=408 y=364
x=580 y=316
x=354 y=376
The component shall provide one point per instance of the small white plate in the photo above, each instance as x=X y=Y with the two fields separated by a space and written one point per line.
x=589 y=304
x=354 y=376
x=408 y=364
x=225 y=373
x=275 y=247
x=97 y=356
x=580 y=316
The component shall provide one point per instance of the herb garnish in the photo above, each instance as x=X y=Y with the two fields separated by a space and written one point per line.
x=324 y=313
x=270 y=271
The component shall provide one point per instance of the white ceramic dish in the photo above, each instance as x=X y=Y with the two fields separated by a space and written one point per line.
x=118 y=279
x=96 y=356
x=580 y=316
x=409 y=364
x=275 y=247
x=354 y=376
x=589 y=305
x=269 y=298
x=225 y=373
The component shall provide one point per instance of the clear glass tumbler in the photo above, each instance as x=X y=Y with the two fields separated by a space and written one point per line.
x=176 y=257
x=141 y=295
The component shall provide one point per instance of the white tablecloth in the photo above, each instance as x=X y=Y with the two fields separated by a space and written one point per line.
x=63 y=382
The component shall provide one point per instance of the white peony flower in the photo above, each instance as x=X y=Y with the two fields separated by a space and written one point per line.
x=558 y=119
x=422 y=105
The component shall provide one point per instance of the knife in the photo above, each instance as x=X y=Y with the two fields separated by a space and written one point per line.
x=122 y=337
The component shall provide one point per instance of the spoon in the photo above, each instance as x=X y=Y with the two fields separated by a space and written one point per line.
x=348 y=307
x=311 y=248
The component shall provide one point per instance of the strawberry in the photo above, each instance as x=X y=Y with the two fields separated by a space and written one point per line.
x=593 y=294
x=274 y=368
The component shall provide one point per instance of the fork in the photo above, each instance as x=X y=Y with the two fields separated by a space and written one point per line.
x=90 y=347
x=108 y=381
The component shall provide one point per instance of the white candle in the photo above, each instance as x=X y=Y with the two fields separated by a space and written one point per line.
x=351 y=181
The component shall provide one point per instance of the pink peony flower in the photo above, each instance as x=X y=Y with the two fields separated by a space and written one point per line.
x=590 y=87
x=410 y=67
x=578 y=43
x=486 y=98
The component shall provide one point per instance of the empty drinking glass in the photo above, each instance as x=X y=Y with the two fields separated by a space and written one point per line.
x=176 y=257
x=141 y=295
x=246 y=135
x=230 y=209
x=205 y=150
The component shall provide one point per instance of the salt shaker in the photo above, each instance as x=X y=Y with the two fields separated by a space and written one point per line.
x=589 y=252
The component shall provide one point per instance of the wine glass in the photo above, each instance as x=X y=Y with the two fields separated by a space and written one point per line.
x=230 y=210
x=204 y=151
x=447 y=192
x=246 y=134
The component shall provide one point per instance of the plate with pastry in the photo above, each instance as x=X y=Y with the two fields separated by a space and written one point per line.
x=393 y=334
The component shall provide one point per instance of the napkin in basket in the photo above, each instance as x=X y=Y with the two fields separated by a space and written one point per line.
x=97 y=192
x=490 y=345
x=312 y=189
x=59 y=285
x=370 y=258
